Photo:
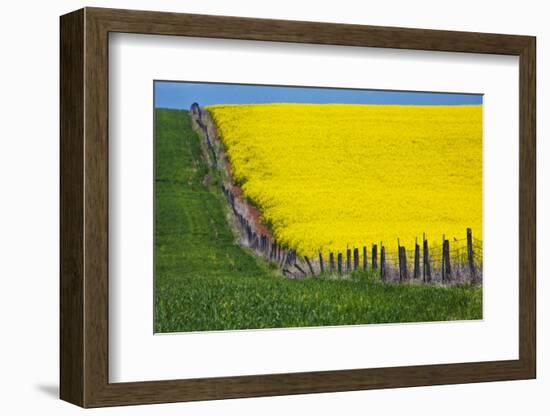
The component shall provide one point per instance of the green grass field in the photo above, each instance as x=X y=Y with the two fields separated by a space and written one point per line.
x=205 y=281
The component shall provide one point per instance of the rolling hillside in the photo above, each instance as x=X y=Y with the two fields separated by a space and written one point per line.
x=205 y=281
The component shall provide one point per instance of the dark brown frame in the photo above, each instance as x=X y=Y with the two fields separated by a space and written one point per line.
x=84 y=208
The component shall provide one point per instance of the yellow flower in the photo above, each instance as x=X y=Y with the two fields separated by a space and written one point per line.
x=329 y=176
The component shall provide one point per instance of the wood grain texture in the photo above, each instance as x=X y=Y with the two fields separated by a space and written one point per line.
x=162 y=23
x=96 y=145
x=527 y=208
x=71 y=213
x=84 y=207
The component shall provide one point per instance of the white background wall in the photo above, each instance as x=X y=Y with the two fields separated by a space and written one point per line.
x=29 y=160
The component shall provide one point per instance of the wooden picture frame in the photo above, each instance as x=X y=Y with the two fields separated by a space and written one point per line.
x=84 y=207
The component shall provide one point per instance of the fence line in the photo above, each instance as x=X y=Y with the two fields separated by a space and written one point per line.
x=459 y=264
x=426 y=263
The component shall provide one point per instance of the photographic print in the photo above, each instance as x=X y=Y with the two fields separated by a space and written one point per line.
x=293 y=206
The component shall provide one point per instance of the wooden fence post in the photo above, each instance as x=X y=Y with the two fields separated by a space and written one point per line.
x=426 y=270
x=331 y=262
x=382 y=262
x=339 y=263
x=321 y=264
x=254 y=240
x=405 y=272
x=364 y=258
x=355 y=258
x=273 y=253
x=403 y=275
x=400 y=261
x=445 y=262
x=348 y=260
x=309 y=265
x=374 y=257
x=443 y=259
x=416 y=272
x=471 y=255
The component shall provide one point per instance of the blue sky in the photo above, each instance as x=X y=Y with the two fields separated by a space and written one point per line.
x=180 y=95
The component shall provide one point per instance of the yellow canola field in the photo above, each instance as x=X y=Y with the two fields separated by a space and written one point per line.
x=330 y=176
